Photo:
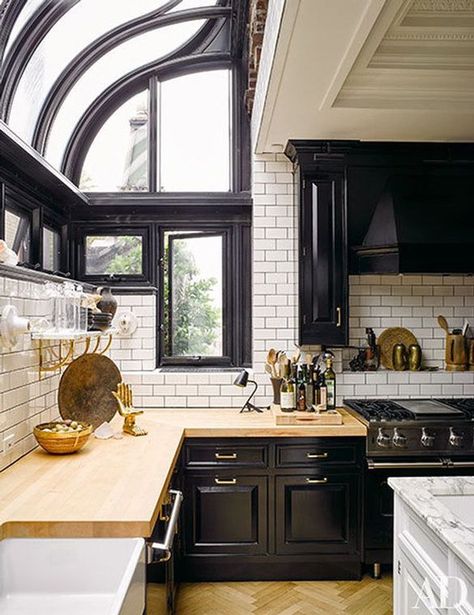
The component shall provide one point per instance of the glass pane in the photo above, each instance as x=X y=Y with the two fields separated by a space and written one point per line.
x=18 y=234
x=25 y=13
x=114 y=254
x=138 y=51
x=51 y=249
x=192 y=4
x=195 y=132
x=79 y=27
x=118 y=157
x=193 y=296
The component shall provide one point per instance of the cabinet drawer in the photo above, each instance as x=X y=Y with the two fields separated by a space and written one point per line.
x=226 y=455
x=314 y=453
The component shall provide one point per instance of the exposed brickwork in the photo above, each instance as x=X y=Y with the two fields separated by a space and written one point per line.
x=256 y=28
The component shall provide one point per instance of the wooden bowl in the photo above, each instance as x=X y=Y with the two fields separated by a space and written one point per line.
x=61 y=443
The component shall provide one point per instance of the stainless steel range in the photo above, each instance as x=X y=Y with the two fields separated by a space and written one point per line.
x=408 y=437
x=438 y=428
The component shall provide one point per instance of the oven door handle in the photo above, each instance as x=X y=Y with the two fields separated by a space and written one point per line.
x=404 y=465
x=167 y=544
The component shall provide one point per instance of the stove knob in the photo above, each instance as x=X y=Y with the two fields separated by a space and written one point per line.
x=399 y=439
x=383 y=439
x=454 y=438
x=427 y=439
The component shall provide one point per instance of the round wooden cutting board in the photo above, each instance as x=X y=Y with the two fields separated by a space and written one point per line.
x=85 y=390
x=387 y=340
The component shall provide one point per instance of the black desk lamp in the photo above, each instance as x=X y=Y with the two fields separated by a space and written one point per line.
x=241 y=381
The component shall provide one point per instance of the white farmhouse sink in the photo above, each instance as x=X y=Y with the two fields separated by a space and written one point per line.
x=461 y=505
x=73 y=576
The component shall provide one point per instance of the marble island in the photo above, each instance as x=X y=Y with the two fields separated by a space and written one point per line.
x=434 y=544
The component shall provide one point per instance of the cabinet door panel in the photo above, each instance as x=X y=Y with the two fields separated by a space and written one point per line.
x=317 y=513
x=226 y=514
x=323 y=277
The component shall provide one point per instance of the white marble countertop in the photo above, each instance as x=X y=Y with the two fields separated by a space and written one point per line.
x=424 y=495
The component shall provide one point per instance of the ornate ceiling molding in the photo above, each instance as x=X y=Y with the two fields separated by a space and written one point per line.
x=448 y=6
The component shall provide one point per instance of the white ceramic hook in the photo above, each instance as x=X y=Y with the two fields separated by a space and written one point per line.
x=127 y=323
x=12 y=325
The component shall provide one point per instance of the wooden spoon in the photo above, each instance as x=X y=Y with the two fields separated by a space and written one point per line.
x=443 y=323
x=272 y=359
x=296 y=356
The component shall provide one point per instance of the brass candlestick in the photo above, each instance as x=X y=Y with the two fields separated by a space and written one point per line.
x=125 y=399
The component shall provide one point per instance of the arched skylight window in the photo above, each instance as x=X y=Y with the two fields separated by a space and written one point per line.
x=62 y=60
x=193 y=139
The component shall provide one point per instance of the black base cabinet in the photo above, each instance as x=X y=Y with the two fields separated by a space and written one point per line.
x=225 y=514
x=273 y=510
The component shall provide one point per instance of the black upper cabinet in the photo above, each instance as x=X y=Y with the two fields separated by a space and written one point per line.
x=323 y=260
x=323 y=277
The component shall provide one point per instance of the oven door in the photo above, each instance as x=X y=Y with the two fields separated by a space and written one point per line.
x=162 y=559
x=378 y=515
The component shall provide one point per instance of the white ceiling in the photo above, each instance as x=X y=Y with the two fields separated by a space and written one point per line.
x=392 y=70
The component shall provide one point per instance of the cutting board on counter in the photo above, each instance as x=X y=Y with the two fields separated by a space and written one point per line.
x=332 y=417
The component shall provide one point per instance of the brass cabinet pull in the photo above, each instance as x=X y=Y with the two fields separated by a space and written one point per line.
x=231 y=481
x=224 y=456
x=339 y=316
x=316 y=481
x=316 y=455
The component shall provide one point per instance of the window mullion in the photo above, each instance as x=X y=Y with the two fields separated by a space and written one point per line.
x=153 y=180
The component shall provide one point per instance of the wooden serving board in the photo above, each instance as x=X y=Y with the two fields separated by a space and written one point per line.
x=332 y=417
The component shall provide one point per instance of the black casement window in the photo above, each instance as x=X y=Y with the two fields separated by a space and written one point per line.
x=18 y=233
x=117 y=254
x=51 y=249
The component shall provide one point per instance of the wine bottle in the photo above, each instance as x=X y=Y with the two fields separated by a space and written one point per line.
x=330 y=380
x=301 y=392
x=287 y=391
x=316 y=387
x=309 y=385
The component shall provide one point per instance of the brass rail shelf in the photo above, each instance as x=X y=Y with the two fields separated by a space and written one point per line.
x=56 y=350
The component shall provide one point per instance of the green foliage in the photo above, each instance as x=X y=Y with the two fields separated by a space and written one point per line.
x=195 y=321
x=128 y=259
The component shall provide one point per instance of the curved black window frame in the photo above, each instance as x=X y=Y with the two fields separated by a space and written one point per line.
x=219 y=43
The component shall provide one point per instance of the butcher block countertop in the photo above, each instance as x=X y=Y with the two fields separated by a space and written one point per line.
x=115 y=487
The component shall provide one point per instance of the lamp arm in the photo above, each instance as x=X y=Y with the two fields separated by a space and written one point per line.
x=247 y=403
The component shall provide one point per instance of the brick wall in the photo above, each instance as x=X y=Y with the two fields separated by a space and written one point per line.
x=25 y=398
x=256 y=27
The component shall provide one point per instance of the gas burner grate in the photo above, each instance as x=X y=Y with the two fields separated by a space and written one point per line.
x=379 y=409
x=465 y=404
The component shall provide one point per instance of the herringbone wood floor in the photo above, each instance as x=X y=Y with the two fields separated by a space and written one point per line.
x=366 y=597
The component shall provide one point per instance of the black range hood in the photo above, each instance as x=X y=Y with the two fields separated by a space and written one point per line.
x=421 y=224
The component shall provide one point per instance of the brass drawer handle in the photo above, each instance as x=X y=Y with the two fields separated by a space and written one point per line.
x=339 y=317
x=224 y=456
x=317 y=455
x=316 y=481
x=220 y=481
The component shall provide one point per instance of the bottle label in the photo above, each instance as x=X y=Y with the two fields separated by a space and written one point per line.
x=323 y=397
x=287 y=401
x=330 y=385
